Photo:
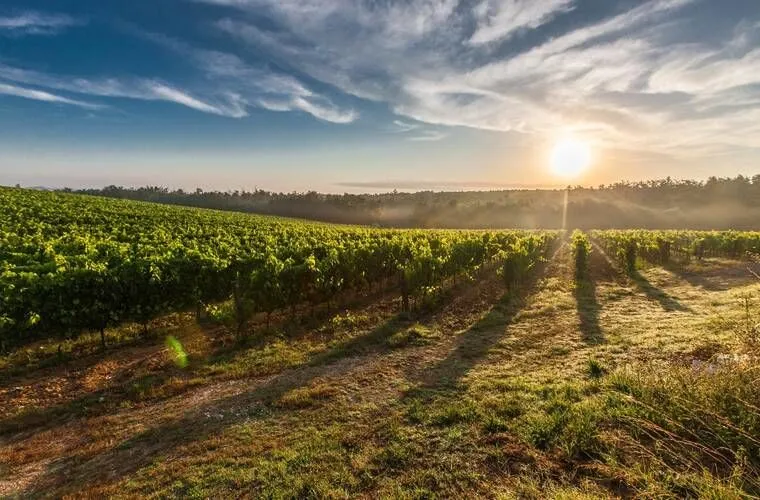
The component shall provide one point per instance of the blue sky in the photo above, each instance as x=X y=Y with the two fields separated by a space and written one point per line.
x=361 y=95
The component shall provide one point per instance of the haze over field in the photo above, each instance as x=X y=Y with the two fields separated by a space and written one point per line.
x=368 y=96
x=715 y=204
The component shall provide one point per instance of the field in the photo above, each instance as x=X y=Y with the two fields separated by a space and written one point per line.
x=163 y=351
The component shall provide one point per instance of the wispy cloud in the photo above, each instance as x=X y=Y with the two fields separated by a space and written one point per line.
x=227 y=104
x=39 y=95
x=401 y=126
x=623 y=77
x=429 y=136
x=260 y=85
x=235 y=107
x=417 y=131
x=326 y=112
x=501 y=19
x=36 y=23
x=620 y=72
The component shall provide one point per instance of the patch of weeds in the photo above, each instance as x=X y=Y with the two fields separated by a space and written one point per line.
x=416 y=334
x=272 y=358
x=184 y=489
x=567 y=417
x=541 y=429
x=494 y=319
x=506 y=407
x=495 y=424
x=307 y=397
x=416 y=413
x=455 y=412
x=580 y=431
x=348 y=321
x=571 y=429
x=396 y=455
x=511 y=409
x=560 y=351
x=595 y=368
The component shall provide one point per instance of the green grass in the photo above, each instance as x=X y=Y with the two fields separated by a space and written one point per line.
x=484 y=396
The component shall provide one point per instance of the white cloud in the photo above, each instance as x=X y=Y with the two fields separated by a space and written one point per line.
x=502 y=19
x=36 y=23
x=402 y=126
x=324 y=112
x=259 y=85
x=696 y=70
x=429 y=136
x=417 y=132
x=234 y=109
x=39 y=95
x=281 y=92
x=226 y=104
x=624 y=79
x=231 y=86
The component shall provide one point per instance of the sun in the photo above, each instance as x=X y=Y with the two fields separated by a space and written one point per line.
x=570 y=157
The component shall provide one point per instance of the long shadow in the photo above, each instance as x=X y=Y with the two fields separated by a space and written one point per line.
x=93 y=404
x=475 y=343
x=588 y=310
x=600 y=269
x=109 y=399
x=210 y=418
x=718 y=279
x=306 y=319
x=603 y=267
x=667 y=302
x=207 y=419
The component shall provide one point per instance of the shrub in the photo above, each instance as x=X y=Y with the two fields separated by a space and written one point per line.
x=581 y=252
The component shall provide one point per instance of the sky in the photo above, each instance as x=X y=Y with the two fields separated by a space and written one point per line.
x=372 y=95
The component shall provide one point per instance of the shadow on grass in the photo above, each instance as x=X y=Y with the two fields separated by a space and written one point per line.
x=87 y=350
x=720 y=278
x=110 y=399
x=211 y=417
x=206 y=419
x=667 y=302
x=474 y=344
x=133 y=389
x=588 y=310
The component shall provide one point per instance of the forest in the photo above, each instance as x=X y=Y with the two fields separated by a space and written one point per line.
x=717 y=203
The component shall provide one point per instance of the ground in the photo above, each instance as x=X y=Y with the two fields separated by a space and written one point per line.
x=454 y=401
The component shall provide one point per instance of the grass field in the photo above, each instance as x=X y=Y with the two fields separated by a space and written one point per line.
x=604 y=387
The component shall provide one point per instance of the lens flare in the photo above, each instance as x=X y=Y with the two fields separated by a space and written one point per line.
x=177 y=351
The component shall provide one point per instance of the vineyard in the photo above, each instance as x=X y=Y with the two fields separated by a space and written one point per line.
x=72 y=263
x=327 y=361
x=659 y=247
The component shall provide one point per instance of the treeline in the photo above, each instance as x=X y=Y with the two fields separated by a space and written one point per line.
x=718 y=203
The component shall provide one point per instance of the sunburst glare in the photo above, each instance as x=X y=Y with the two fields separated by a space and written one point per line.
x=570 y=157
